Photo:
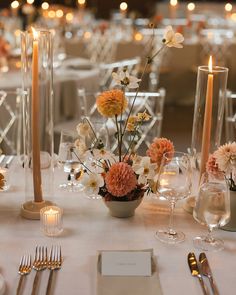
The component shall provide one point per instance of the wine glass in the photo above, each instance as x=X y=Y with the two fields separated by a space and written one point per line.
x=68 y=158
x=174 y=183
x=212 y=209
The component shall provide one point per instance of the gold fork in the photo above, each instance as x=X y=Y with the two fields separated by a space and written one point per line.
x=24 y=269
x=54 y=263
x=39 y=264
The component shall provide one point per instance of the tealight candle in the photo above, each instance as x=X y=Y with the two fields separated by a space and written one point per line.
x=51 y=220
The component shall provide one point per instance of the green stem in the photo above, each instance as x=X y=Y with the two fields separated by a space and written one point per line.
x=131 y=142
x=149 y=60
x=86 y=168
x=91 y=127
x=118 y=138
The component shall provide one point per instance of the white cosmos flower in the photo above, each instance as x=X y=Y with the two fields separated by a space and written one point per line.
x=123 y=78
x=80 y=146
x=172 y=39
x=226 y=157
x=145 y=169
x=103 y=154
x=92 y=182
x=84 y=129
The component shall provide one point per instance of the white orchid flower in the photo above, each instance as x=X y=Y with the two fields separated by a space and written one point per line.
x=92 y=182
x=123 y=78
x=172 y=39
x=145 y=169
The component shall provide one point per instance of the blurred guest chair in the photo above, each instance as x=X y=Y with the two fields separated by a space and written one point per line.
x=11 y=103
x=230 y=116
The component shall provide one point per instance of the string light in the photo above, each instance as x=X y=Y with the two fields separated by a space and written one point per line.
x=173 y=2
x=69 y=16
x=45 y=5
x=228 y=7
x=191 y=6
x=59 y=13
x=123 y=6
x=81 y=2
x=15 y=4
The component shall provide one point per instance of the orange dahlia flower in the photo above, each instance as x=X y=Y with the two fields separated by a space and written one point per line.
x=120 y=179
x=158 y=148
x=111 y=103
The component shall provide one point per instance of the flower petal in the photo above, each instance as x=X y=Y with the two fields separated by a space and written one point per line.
x=179 y=38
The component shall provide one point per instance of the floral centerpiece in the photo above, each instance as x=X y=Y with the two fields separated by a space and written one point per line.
x=224 y=160
x=122 y=176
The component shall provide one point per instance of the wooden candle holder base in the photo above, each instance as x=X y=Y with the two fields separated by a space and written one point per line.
x=31 y=209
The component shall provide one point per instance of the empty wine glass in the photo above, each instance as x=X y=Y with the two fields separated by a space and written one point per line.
x=174 y=183
x=212 y=209
x=70 y=161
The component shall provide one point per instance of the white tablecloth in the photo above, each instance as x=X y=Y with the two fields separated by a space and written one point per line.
x=88 y=227
x=67 y=81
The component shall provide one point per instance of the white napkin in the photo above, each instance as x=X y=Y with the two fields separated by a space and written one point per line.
x=117 y=285
x=2 y=285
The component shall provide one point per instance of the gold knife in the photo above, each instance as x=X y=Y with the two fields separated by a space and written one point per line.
x=192 y=262
x=206 y=271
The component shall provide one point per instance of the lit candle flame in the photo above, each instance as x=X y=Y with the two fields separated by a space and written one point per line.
x=35 y=33
x=210 y=64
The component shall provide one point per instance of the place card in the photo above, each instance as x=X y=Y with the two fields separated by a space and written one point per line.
x=126 y=263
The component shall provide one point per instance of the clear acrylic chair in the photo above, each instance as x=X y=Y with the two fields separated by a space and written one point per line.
x=153 y=104
x=230 y=116
x=11 y=103
x=100 y=47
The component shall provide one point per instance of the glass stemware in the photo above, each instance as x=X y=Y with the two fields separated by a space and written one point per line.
x=212 y=209
x=174 y=183
x=68 y=158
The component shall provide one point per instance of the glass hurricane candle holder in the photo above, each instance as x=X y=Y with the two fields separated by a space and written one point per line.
x=51 y=221
x=37 y=74
x=208 y=113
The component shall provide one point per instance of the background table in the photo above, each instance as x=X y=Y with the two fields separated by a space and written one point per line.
x=88 y=227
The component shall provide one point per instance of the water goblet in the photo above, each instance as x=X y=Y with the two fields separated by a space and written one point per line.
x=69 y=160
x=174 y=183
x=212 y=209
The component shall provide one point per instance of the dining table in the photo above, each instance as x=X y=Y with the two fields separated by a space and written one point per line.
x=70 y=75
x=88 y=228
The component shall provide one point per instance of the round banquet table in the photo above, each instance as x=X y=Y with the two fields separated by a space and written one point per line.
x=73 y=74
x=88 y=227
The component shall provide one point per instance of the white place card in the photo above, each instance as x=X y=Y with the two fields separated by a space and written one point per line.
x=126 y=263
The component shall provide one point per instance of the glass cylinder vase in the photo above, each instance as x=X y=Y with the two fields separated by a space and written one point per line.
x=37 y=78
x=208 y=113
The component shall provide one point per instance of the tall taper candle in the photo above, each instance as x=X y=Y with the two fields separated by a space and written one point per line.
x=35 y=121
x=206 y=134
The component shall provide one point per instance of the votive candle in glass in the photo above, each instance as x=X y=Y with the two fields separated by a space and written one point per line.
x=51 y=220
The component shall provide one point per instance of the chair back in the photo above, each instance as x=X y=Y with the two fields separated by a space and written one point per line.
x=11 y=131
x=230 y=116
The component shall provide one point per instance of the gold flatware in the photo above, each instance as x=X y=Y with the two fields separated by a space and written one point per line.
x=24 y=269
x=40 y=263
x=206 y=271
x=54 y=263
x=192 y=262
